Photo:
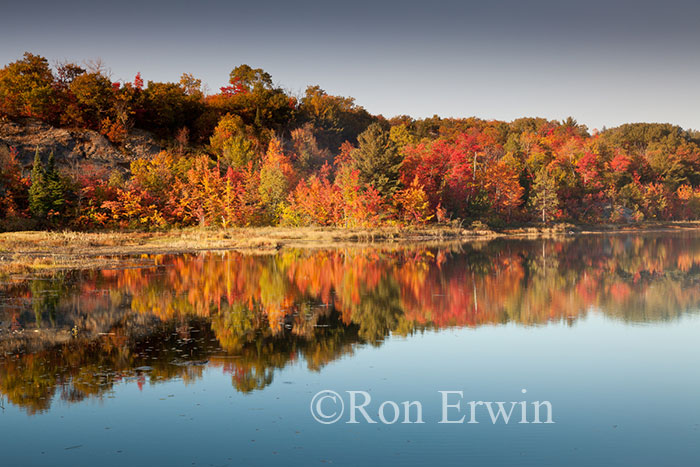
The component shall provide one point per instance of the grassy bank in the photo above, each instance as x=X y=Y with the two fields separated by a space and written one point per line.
x=42 y=251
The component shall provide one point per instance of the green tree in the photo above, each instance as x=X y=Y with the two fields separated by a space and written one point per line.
x=250 y=79
x=47 y=192
x=55 y=186
x=37 y=190
x=377 y=159
x=543 y=195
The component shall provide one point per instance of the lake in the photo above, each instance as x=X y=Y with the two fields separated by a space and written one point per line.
x=220 y=358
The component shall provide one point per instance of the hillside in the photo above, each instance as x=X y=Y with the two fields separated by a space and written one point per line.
x=254 y=154
x=74 y=149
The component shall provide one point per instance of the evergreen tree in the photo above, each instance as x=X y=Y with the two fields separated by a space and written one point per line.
x=378 y=160
x=543 y=198
x=55 y=187
x=47 y=192
x=37 y=191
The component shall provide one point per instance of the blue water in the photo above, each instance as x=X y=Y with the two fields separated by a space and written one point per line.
x=623 y=393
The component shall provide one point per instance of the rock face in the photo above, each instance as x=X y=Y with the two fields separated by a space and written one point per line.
x=74 y=149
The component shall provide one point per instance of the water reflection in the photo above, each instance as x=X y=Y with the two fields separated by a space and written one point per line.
x=77 y=334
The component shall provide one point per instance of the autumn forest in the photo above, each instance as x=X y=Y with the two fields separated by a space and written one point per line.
x=253 y=154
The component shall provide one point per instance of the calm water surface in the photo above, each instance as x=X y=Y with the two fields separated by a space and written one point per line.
x=213 y=359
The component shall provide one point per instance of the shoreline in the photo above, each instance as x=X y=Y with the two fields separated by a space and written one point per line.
x=36 y=252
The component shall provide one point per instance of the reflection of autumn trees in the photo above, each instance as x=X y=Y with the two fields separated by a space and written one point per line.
x=632 y=277
x=252 y=315
x=83 y=368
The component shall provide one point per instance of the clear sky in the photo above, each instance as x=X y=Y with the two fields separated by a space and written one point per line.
x=602 y=62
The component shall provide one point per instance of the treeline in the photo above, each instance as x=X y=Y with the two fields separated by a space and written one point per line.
x=253 y=154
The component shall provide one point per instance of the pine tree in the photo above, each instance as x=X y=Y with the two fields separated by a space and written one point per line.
x=55 y=187
x=47 y=192
x=377 y=158
x=37 y=191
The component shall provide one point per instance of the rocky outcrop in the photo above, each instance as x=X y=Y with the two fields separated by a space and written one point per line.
x=74 y=149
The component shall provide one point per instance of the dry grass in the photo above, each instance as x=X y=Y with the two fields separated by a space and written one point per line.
x=25 y=252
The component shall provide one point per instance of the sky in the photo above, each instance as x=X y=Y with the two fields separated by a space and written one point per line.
x=603 y=62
